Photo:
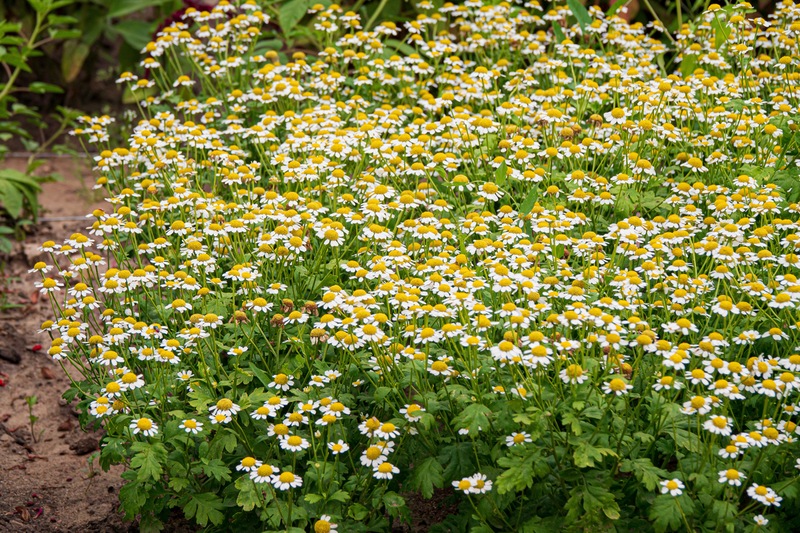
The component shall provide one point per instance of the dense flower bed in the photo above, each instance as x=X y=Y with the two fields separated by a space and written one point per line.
x=510 y=257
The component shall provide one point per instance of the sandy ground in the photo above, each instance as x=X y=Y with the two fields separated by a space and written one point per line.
x=52 y=482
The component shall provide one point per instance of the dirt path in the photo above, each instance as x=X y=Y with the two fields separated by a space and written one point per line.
x=53 y=482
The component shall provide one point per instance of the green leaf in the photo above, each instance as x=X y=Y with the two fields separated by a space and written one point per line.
x=400 y=46
x=585 y=454
x=340 y=496
x=147 y=460
x=11 y=199
x=120 y=8
x=720 y=33
x=178 y=483
x=266 y=45
x=19 y=191
x=688 y=64
x=215 y=468
x=666 y=512
x=522 y=469
x=57 y=20
x=9 y=27
x=62 y=34
x=112 y=451
x=530 y=200
x=500 y=174
x=313 y=498
x=381 y=393
x=395 y=504
x=644 y=470
x=39 y=87
x=15 y=60
x=357 y=512
x=458 y=460
x=580 y=12
x=649 y=200
x=247 y=498
x=9 y=174
x=261 y=375
x=41 y=6
x=132 y=497
x=537 y=524
x=559 y=33
x=73 y=56
x=474 y=418
x=137 y=33
x=427 y=476
x=204 y=507
x=591 y=499
x=789 y=181
x=224 y=440
x=60 y=3
x=150 y=524
x=571 y=419
x=724 y=510
x=686 y=440
x=6 y=245
x=291 y=13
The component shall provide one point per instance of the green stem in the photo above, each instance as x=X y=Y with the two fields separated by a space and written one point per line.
x=374 y=16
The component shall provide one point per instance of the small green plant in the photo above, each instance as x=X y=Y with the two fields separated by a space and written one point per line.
x=90 y=460
x=5 y=302
x=32 y=418
x=5 y=247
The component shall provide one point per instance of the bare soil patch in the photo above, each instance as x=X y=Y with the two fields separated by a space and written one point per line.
x=49 y=480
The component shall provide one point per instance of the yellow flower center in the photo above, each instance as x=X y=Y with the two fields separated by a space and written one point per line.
x=224 y=404
x=439 y=366
x=574 y=371
x=322 y=526
x=617 y=385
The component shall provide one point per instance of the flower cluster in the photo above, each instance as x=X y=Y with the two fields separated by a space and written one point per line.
x=520 y=249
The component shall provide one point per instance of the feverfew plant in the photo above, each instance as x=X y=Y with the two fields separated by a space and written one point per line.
x=513 y=258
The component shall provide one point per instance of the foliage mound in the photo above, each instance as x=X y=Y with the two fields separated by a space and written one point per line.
x=510 y=257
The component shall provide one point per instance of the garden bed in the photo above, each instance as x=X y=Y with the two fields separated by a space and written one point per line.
x=538 y=266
